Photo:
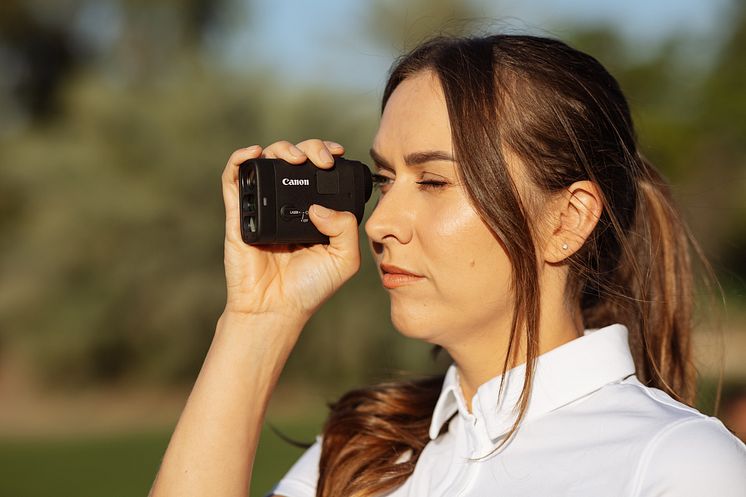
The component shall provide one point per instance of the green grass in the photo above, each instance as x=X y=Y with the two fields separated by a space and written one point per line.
x=122 y=465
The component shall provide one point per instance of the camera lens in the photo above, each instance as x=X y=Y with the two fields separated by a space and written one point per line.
x=247 y=177
x=248 y=203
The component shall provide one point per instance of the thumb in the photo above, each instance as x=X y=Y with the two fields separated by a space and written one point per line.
x=341 y=228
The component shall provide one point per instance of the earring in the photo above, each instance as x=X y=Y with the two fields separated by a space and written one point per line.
x=565 y=246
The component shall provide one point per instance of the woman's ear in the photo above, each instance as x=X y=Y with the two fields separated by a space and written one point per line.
x=574 y=214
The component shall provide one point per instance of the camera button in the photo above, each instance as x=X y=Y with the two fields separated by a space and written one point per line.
x=290 y=212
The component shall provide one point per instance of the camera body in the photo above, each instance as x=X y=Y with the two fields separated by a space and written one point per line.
x=275 y=196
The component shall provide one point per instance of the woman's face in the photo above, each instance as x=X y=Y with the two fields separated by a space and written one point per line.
x=433 y=230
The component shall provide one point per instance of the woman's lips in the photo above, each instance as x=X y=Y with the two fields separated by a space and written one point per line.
x=395 y=276
x=393 y=280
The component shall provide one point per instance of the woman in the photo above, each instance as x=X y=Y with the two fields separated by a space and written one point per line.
x=519 y=228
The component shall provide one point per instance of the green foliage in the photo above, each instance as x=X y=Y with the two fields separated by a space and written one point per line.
x=401 y=25
x=111 y=216
x=113 y=239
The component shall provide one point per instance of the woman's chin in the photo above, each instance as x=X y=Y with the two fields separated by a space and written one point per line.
x=418 y=327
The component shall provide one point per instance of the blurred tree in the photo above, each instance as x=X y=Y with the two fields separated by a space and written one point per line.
x=36 y=58
x=722 y=122
x=42 y=43
x=401 y=25
x=111 y=217
x=114 y=270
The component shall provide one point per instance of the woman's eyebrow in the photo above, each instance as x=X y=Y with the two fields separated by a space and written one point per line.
x=413 y=159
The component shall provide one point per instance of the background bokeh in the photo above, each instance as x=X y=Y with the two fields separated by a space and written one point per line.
x=116 y=120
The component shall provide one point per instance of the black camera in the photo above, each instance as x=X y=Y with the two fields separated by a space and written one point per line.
x=275 y=196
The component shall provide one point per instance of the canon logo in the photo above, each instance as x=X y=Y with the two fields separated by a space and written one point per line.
x=288 y=182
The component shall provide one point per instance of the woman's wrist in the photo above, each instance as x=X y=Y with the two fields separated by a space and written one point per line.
x=265 y=330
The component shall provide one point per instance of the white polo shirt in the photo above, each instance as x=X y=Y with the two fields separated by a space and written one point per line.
x=591 y=430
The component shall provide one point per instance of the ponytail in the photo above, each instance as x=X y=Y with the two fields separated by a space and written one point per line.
x=650 y=289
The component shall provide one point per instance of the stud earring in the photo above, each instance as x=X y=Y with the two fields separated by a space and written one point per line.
x=565 y=246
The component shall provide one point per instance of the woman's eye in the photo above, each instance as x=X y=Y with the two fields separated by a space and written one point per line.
x=380 y=181
x=431 y=184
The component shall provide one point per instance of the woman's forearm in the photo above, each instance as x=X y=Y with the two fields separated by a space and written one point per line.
x=213 y=446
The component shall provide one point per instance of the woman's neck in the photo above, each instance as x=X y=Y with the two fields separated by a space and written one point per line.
x=483 y=358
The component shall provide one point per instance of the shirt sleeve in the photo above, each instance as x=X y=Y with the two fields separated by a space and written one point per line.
x=695 y=457
x=302 y=477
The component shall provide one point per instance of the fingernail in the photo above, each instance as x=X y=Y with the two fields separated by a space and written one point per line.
x=321 y=211
x=326 y=156
x=295 y=151
x=335 y=144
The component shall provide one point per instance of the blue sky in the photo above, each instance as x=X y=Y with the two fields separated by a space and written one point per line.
x=320 y=41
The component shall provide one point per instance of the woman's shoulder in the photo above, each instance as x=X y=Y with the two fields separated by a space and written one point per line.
x=662 y=446
x=646 y=409
x=695 y=455
x=637 y=415
x=683 y=451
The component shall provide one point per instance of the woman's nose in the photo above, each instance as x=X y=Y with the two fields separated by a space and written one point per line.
x=390 y=219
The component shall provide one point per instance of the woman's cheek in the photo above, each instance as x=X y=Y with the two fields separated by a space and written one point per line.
x=461 y=233
x=455 y=223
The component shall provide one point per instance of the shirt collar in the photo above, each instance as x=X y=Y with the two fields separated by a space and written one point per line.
x=563 y=374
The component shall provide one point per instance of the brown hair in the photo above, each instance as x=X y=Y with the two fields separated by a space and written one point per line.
x=565 y=117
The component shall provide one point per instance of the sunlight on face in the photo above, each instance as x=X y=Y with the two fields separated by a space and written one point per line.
x=432 y=229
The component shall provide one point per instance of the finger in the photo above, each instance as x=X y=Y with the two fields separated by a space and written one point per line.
x=230 y=187
x=286 y=151
x=334 y=147
x=317 y=151
x=342 y=229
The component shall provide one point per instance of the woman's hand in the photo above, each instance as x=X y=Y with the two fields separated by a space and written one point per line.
x=289 y=280
x=272 y=291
